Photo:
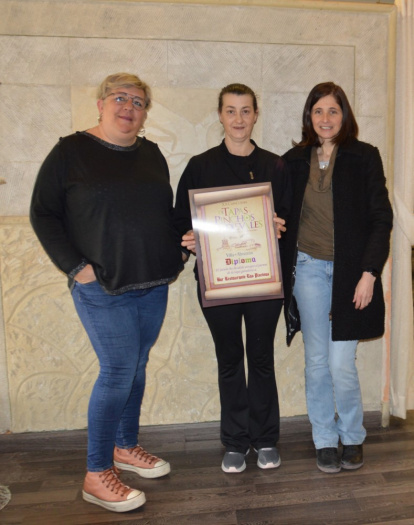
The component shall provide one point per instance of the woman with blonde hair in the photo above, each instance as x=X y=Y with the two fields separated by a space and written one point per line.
x=102 y=209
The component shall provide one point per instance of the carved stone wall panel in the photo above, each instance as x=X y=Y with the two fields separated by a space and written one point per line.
x=149 y=58
x=373 y=129
x=192 y=318
x=49 y=62
x=52 y=55
x=297 y=68
x=369 y=356
x=178 y=135
x=16 y=193
x=43 y=115
x=48 y=357
x=228 y=61
x=5 y=408
x=278 y=131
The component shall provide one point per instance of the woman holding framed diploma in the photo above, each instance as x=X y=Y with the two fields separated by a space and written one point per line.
x=249 y=409
x=336 y=247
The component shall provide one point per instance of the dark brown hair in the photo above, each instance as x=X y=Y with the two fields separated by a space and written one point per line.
x=349 y=128
x=236 y=89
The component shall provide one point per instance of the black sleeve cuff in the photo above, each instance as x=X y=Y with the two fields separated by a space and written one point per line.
x=372 y=271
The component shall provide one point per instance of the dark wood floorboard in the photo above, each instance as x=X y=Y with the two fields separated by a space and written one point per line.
x=44 y=472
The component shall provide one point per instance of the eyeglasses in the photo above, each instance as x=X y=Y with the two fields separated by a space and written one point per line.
x=122 y=98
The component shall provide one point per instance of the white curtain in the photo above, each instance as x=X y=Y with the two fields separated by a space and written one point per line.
x=402 y=344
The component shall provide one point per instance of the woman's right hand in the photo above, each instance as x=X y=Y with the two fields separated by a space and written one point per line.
x=189 y=241
x=86 y=275
x=280 y=225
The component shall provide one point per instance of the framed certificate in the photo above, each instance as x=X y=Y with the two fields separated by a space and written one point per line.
x=237 y=249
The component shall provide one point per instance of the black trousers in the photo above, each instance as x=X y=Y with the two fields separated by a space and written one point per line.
x=249 y=409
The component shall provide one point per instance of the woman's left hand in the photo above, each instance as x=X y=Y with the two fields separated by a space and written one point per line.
x=364 y=291
x=188 y=241
x=280 y=225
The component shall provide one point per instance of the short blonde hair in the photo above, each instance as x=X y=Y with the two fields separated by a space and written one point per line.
x=123 y=80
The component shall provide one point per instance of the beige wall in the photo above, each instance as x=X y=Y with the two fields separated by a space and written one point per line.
x=52 y=56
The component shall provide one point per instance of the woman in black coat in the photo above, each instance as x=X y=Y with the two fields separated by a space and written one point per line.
x=336 y=245
x=249 y=408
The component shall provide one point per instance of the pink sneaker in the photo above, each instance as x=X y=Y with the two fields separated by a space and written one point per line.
x=139 y=461
x=107 y=490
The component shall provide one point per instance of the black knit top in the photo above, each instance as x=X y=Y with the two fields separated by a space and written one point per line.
x=218 y=167
x=109 y=206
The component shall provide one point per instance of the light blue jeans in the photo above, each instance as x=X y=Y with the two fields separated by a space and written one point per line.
x=122 y=330
x=330 y=366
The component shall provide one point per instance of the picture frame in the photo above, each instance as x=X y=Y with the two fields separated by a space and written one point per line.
x=238 y=258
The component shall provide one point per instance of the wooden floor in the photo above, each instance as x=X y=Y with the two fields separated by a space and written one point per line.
x=44 y=472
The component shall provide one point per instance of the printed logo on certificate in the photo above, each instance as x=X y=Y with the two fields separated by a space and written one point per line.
x=237 y=250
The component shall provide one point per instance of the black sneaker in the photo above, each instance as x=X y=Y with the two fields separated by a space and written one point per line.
x=328 y=460
x=352 y=457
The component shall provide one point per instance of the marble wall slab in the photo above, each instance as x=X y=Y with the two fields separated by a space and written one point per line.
x=53 y=54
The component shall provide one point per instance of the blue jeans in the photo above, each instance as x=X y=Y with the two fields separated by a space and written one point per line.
x=330 y=368
x=122 y=330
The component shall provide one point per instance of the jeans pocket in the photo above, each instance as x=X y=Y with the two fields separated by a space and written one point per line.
x=303 y=258
x=90 y=283
x=93 y=294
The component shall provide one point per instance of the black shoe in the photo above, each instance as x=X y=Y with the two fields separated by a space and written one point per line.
x=352 y=457
x=327 y=460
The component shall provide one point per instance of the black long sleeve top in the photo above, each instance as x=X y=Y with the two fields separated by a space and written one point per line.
x=109 y=206
x=218 y=167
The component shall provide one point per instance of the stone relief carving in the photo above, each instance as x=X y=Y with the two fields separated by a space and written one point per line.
x=50 y=365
